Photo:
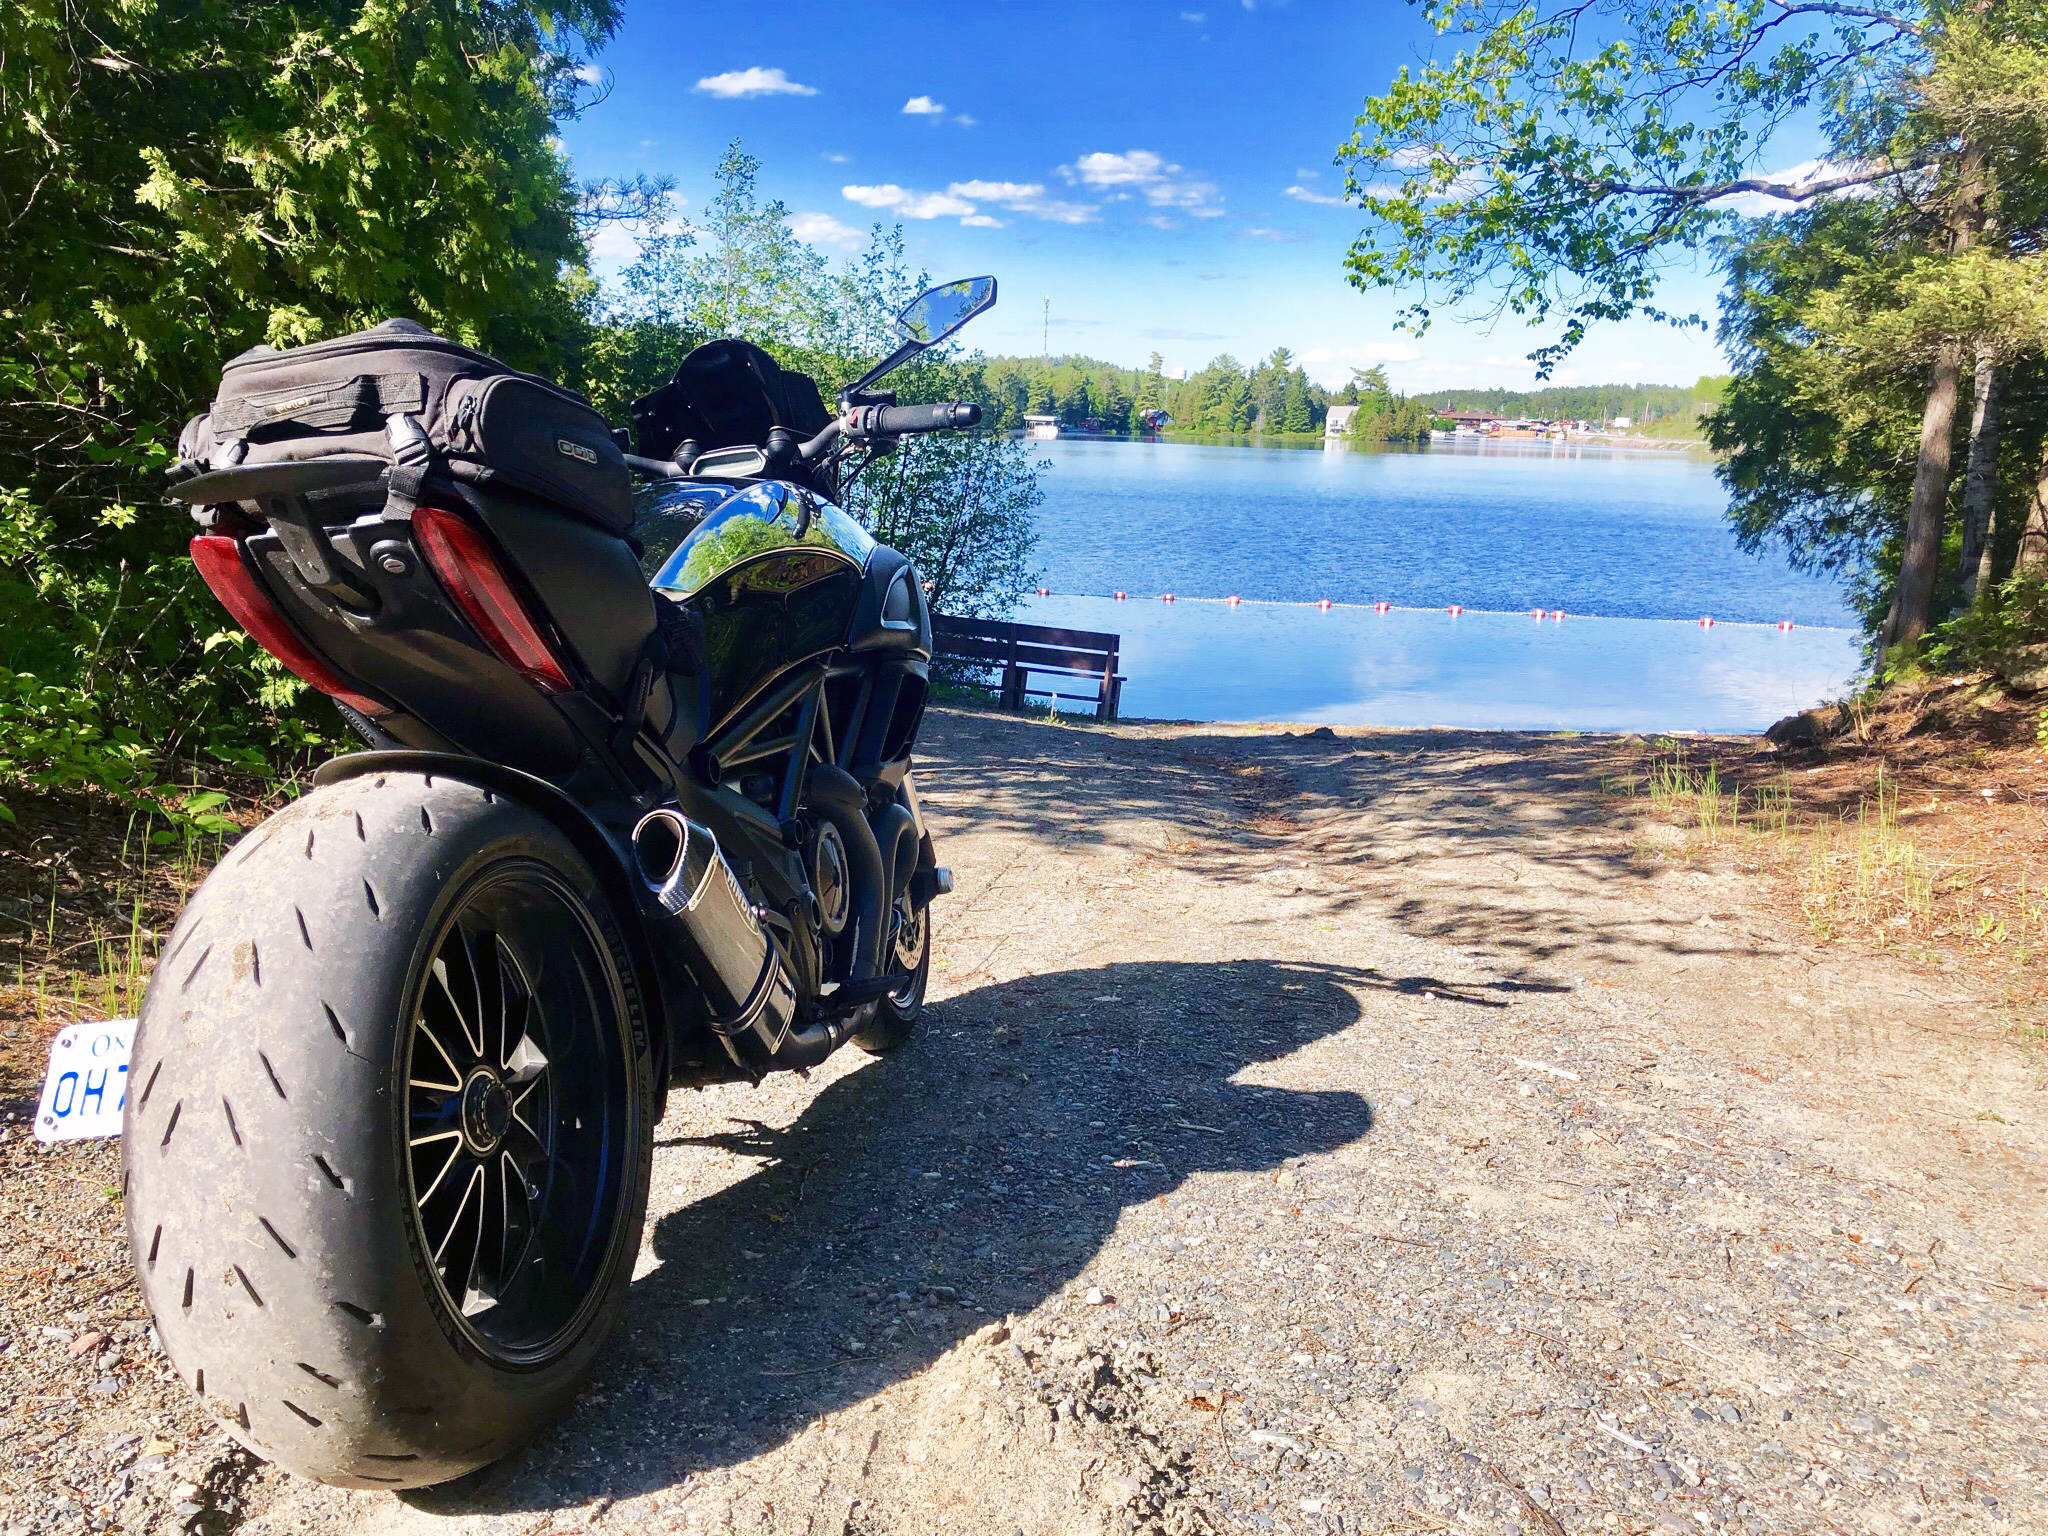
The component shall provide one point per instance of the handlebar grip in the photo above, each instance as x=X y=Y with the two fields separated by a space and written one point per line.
x=895 y=420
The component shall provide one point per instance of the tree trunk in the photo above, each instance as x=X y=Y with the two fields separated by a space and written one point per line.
x=2033 y=555
x=1912 y=609
x=1980 y=482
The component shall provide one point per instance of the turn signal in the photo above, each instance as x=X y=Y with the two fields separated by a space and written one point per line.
x=220 y=562
x=478 y=586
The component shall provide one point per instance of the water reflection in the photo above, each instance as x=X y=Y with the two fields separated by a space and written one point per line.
x=1349 y=666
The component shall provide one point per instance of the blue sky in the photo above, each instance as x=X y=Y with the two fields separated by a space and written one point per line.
x=1161 y=171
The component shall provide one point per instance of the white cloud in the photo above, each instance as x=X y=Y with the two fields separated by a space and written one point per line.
x=907 y=204
x=738 y=83
x=823 y=229
x=1149 y=175
x=998 y=191
x=612 y=246
x=1321 y=199
x=924 y=106
x=1197 y=17
x=964 y=120
x=589 y=74
x=1060 y=213
x=1275 y=236
x=982 y=221
x=1026 y=197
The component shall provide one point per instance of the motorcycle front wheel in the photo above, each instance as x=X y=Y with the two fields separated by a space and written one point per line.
x=388 y=1132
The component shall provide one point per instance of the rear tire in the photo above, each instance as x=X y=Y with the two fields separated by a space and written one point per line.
x=893 y=1019
x=387 y=970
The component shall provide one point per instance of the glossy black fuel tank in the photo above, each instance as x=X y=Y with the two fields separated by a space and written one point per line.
x=779 y=575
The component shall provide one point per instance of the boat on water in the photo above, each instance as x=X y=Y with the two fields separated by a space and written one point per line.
x=1042 y=426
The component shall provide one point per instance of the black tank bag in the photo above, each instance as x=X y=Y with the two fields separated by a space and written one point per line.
x=424 y=403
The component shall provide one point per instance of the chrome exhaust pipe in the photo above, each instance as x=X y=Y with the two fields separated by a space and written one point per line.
x=732 y=954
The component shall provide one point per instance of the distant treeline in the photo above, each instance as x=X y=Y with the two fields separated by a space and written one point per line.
x=1227 y=397
x=1588 y=402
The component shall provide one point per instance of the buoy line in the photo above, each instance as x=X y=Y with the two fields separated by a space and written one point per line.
x=1451 y=610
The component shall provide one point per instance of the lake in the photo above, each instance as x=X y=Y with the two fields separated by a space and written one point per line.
x=1632 y=547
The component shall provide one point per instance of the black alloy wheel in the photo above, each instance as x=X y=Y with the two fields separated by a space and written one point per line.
x=516 y=1081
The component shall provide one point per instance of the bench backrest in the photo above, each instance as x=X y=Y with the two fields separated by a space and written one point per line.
x=999 y=641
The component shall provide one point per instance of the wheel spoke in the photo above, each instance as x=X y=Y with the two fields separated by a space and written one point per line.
x=494 y=997
x=454 y=1156
x=426 y=1029
x=472 y=1029
x=469 y=1189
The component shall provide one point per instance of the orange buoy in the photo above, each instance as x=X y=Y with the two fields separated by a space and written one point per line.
x=1045 y=591
x=1233 y=600
x=1323 y=603
x=1535 y=613
x=1381 y=607
x=1706 y=621
x=1120 y=596
x=1166 y=597
x=1455 y=609
x=1785 y=624
x=1556 y=614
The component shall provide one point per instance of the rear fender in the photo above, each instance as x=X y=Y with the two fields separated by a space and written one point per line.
x=685 y=1049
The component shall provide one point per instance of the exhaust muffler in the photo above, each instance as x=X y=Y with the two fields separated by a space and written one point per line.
x=733 y=955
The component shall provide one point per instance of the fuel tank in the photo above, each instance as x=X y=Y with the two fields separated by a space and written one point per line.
x=780 y=575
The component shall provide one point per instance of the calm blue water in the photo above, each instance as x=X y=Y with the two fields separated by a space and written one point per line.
x=1510 y=526
x=1624 y=543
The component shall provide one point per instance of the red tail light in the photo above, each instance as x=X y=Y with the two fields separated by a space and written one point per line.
x=220 y=562
x=477 y=585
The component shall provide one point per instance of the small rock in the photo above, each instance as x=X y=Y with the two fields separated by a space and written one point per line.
x=2024 y=668
x=106 y=1386
x=1098 y=1297
x=1868 y=1424
x=85 y=1343
x=1730 y=1414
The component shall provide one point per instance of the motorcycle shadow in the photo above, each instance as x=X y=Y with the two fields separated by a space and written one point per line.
x=919 y=1198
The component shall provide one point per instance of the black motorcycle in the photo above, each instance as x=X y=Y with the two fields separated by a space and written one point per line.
x=393 y=1090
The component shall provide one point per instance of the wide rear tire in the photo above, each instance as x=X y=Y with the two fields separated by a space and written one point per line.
x=390 y=972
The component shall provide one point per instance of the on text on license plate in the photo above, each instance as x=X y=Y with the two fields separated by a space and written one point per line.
x=87 y=1085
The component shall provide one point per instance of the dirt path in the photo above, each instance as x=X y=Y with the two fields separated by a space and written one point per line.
x=1355 y=1135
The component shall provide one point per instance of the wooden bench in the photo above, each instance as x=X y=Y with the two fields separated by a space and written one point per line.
x=1022 y=649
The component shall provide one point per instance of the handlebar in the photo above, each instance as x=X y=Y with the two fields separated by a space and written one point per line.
x=858 y=422
x=895 y=420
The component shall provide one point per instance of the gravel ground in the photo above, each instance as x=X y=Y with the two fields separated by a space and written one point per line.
x=1311 y=1132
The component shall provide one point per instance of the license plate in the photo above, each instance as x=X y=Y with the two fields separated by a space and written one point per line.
x=87 y=1083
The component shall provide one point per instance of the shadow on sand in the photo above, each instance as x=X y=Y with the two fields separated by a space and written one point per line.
x=992 y=1158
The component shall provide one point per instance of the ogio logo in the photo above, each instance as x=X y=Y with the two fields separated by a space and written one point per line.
x=286 y=407
x=575 y=450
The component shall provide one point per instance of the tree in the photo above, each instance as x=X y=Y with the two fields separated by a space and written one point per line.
x=1575 y=148
x=959 y=505
x=180 y=181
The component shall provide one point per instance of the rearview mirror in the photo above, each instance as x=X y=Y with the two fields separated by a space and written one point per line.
x=938 y=312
